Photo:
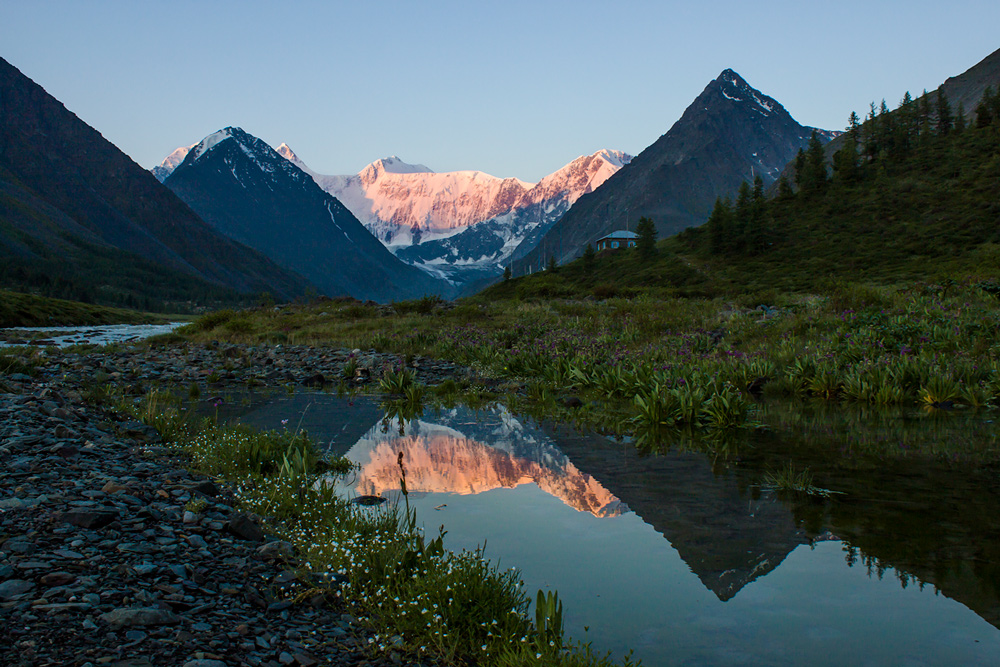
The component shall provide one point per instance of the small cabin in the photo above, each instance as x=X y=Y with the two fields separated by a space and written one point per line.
x=616 y=240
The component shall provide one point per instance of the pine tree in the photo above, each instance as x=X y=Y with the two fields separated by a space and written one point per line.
x=552 y=266
x=645 y=245
x=984 y=110
x=507 y=273
x=924 y=114
x=719 y=226
x=785 y=188
x=741 y=222
x=904 y=127
x=756 y=227
x=815 y=167
x=960 y=119
x=800 y=167
x=845 y=161
x=589 y=258
x=869 y=133
x=944 y=118
x=853 y=126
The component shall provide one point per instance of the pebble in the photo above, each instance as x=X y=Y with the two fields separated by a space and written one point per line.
x=100 y=562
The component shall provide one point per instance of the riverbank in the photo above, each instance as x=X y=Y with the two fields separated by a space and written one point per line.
x=113 y=552
x=102 y=561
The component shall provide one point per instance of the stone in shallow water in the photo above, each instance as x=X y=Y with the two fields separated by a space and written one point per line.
x=367 y=501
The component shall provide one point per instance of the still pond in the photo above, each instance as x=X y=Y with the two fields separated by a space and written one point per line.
x=684 y=554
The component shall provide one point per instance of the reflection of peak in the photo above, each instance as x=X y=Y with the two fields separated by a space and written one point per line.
x=440 y=459
x=727 y=539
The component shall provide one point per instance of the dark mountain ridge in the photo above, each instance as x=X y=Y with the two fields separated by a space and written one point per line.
x=74 y=207
x=730 y=133
x=250 y=193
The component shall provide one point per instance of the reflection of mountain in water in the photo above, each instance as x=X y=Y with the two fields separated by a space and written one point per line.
x=449 y=456
x=726 y=536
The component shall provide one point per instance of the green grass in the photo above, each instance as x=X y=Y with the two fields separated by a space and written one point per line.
x=649 y=363
x=27 y=310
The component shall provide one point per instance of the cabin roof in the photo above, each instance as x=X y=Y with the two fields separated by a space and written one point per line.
x=619 y=234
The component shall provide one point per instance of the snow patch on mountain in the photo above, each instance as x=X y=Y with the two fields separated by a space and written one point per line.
x=210 y=142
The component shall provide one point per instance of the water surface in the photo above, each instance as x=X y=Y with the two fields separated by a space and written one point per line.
x=682 y=555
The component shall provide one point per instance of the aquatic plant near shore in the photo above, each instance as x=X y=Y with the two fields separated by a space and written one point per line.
x=415 y=596
x=789 y=480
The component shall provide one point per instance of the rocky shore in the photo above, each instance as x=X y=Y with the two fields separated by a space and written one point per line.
x=111 y=553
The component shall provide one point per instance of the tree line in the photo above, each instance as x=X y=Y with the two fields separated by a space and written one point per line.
x=884 y=137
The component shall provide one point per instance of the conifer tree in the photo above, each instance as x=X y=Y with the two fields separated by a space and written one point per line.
x=854 y=128
x=741 y=218
x=984 y=110
x=960 y=119
x=944 y=118
x=720 y=226
x=784 y=188
x=904 y=127
x=924 y=114
x=506 y=273
x=756 y=227
x=589 y=256
x=552 y=266
x=815 y=167
x=870 y=135
x=845 y=161
x=645 y=245
x=800 y=167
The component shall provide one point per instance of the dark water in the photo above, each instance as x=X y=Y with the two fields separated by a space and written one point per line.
x=683 y=555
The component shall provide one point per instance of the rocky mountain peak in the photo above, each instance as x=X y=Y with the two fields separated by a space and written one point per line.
x=286 y=152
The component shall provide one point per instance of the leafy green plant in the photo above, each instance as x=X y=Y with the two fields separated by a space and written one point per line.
x=396 y=382
x=939 y=391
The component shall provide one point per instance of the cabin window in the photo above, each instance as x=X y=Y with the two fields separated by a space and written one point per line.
x=614 y=244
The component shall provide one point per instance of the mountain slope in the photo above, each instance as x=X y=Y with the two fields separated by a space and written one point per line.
x=74 y=208
x=244 y=189
x=730 y=133
x=966 y=90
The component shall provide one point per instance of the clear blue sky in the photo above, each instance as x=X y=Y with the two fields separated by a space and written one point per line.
x=512 y=88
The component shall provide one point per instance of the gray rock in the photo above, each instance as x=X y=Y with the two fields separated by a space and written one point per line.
x=243 y=526
x=277 y=550
x=205 y=662
x=91 y=519
x=197 y=541
x=14 y=588
x=145 y=568
x=140 y=617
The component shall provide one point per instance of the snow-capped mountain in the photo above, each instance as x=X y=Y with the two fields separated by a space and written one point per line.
x=165 y=168
x=244 y=189
x=461 y=225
